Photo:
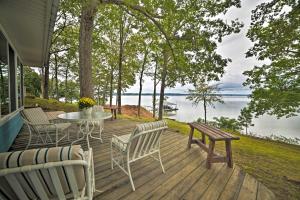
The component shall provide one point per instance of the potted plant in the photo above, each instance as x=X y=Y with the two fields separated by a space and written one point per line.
x=85 y=105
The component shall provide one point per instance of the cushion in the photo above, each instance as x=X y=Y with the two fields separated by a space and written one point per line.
x=39 y=156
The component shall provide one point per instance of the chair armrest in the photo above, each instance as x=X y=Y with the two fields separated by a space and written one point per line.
x=119 y=139
x=41 y=125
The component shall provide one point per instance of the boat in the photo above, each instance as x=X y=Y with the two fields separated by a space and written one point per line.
x=169 y=106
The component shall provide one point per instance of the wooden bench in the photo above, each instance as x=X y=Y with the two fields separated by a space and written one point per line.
x=213 y=135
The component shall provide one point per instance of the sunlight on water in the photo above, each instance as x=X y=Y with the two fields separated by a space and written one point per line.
x=265 y=125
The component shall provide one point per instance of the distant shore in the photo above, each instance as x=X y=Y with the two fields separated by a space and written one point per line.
x=181 y=94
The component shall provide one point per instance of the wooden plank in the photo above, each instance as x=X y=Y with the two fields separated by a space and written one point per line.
x=222 y=133
x=263 y=193
x=218 y=184
x=103 y=167
x=186 y=177
x=202 y=184
x=209 y=133
x=113 y=177
x=184 y=186
x=175 y=175
x=232 y=188
x=144 y=176
x=200 y=144
x=249 y=189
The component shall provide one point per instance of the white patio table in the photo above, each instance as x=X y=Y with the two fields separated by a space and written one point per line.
x=86 y=123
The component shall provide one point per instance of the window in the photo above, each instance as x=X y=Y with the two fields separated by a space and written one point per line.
x=4 y=80
x=12 y=79
x=19 y=84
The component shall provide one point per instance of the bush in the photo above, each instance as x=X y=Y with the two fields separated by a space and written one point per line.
x=50 y=104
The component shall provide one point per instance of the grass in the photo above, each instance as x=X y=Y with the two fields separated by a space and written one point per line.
x=275 y=164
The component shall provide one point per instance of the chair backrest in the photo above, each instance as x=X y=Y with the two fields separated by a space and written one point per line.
x=48 y=173
x=145 y=139
x=35 y=115
x=98 y=108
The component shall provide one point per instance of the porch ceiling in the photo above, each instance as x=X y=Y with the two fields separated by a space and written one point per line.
x=28 y=26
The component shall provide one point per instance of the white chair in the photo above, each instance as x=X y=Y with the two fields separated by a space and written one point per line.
x=99 y=123
x=143 y=141
x=40 y=127
x=48 y=173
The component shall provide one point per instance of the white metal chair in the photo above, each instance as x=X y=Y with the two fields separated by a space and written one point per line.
x=40 y=127
x=143 y=141
x=49 y=173
x=99 y=123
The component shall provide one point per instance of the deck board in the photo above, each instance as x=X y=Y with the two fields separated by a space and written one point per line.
x=186 y=176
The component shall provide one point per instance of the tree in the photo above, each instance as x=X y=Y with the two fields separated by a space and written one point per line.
x=275 y=33
x=204 y=93
x=245 y=118
x=227 y=123
x=88 y=12
x=32 y=81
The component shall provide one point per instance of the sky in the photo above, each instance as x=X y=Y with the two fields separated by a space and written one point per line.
x=234 y=47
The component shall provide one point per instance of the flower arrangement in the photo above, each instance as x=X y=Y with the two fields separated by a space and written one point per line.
x=85 y=103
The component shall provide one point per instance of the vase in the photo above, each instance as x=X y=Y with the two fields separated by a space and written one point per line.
x=87 y=111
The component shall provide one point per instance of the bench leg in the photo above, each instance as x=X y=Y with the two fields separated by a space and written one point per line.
x=190 y=137
x=229 y=153
x=210 y=153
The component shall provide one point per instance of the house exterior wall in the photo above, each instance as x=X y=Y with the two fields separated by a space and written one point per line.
x=9 y=130
x=11 y=97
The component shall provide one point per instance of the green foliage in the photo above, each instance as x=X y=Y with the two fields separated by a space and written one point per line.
x=245 y=118
x=204 y=92
x=275 y=33
x=227 y=123
x=50 y=104
x=32 y=81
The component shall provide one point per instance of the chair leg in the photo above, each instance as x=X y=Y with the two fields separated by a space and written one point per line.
x=68 y=132
x=130 y=177
x=162 y=167
x=100 y=132
x=56 y=135
x=29 y=141
x=111 y=156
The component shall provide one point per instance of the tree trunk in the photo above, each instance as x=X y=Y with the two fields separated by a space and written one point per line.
x=88 y=12
x=204 y=106
x=121 y=51
x=111 y=86
x=105 y=92
x=45 y=88
x=66 y=84
x=56 y=77
x=98 y=95
x=42 y=74
x=163 y=84
x=141 y=82
x=154 y=89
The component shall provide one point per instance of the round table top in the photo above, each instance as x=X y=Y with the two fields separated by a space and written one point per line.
x=80 y=116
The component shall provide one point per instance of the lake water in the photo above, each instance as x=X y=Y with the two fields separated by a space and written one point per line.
x=264 y=125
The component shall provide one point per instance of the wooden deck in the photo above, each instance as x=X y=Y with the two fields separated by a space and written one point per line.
x=186 y=175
